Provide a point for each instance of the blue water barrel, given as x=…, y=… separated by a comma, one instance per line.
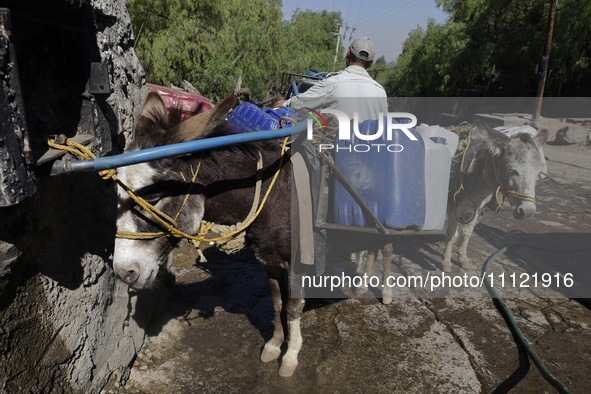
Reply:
x=248, y=117
x=388, y=174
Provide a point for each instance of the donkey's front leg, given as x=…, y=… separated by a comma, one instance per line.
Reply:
x=387, y=252
x=272, y=349
x=289, y=362
x=370, y=266
x=465, y=232
x=451, y=236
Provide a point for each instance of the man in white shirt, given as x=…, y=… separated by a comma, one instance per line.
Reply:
x=351, y=90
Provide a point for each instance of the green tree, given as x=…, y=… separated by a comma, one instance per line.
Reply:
x=381, y=61
x=456, y=57
x=429, y=64
x=379, y=70
x=214, y=43
x=570, y=55
x=312, y=40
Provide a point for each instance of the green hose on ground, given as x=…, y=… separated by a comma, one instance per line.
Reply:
x=557, y=384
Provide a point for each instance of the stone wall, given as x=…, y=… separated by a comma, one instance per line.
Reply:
x=16, y=180
x=66, y=323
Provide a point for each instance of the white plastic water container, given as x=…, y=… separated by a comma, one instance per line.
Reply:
x=511, y=131
x=440, y=146
x=451, y=139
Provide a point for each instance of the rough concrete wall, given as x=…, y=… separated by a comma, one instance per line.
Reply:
x=66, y=323
x=16, y=181
x=116, y=46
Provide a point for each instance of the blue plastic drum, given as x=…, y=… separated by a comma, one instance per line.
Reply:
x=388, y=174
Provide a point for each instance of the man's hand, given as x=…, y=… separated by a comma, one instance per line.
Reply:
x=279, y=104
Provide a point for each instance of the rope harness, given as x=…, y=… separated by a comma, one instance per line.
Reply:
x=232, y=237
x=500, y=191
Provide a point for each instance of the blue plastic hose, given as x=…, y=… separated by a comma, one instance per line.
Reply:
x=161, y=152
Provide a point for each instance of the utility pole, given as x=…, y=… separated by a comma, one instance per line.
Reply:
x=544, y=65
x=336, y=51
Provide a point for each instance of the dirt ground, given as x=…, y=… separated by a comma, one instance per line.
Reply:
x=210, y=337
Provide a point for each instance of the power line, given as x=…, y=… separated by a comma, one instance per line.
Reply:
x=380, y=11
x=349, y=11
x=387, y=15
x=350, y=27
x=359, y=11
x=390, y=50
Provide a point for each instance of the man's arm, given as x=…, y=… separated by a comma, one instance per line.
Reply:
x=279, y=104
x=315, y=97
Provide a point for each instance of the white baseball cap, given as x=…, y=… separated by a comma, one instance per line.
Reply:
x=363, y=48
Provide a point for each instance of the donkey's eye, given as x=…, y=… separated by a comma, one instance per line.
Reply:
x=152, y=198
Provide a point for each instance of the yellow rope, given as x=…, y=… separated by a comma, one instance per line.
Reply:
x=173, y=231
x=237, y=242
x=499, y=201
x=260, y=207
x=292, y=120
x=467, y=127
x=82, y=151
x=190, y=188
x=462, y=172
x=499, y=191
x=521, y=196
x=205, y=228
x=461, y=187
x=166, y=221
x=70, y=146
x=157, y=214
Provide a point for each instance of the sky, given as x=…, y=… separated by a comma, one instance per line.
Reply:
x=386, y=22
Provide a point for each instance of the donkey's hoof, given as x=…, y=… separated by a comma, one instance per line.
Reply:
x=387, y=300
x=287, y=368
x=270, y=353
x=359, y=291
x=465, y=263
x=446, y=266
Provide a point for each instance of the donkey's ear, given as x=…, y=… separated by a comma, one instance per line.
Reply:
x=200, y=125
x=495, y=139
x=222, y=108
x=154, y=109
x=541, y=138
